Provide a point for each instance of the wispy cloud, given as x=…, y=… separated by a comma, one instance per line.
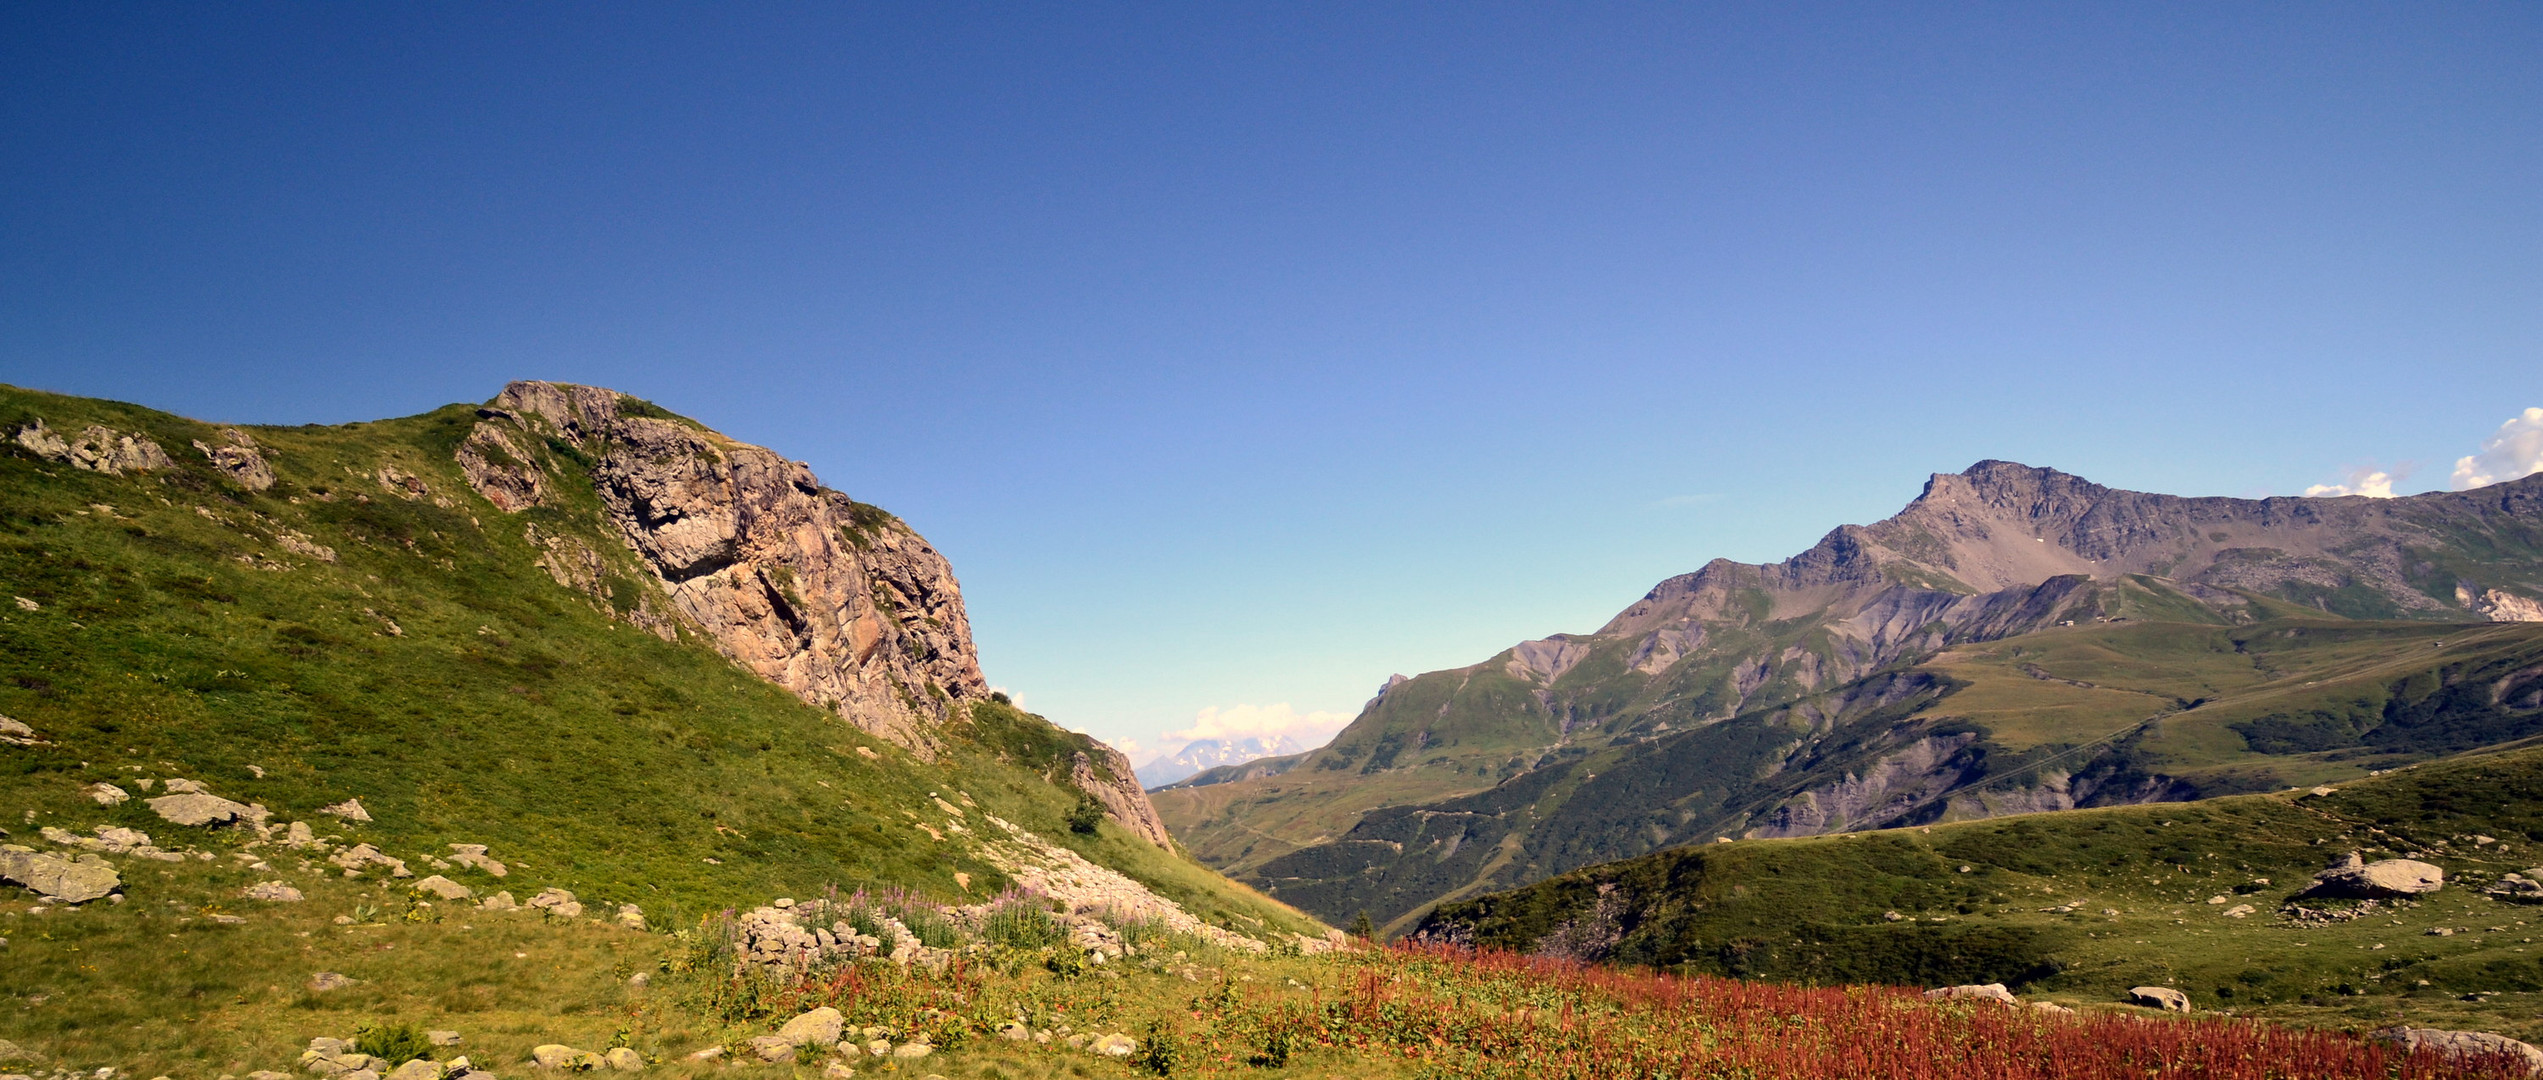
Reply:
x=2514, y=453
x=1249, y=721
x=2372, y=482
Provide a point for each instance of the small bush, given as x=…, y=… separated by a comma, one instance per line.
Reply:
x=396, y=1044
x=1086, y=815
x=1164, y=1050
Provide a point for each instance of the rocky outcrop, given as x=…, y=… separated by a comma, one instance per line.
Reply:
x=2499, y=605
x=96, y=448
x=834, y=600
x=240, y=459
x=1113, y=784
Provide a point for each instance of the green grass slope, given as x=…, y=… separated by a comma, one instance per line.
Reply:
x=2080, y=905
x=369, y=627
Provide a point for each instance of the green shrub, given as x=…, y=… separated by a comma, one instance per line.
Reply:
x=1164, y=1050
x=396, y=1044
x=1086, y=815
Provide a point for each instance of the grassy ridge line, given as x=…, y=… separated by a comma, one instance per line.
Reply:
x=432, y=669
x=2132, y=888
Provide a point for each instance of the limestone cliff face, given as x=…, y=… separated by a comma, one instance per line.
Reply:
x=829, y=598
x=1113, y=784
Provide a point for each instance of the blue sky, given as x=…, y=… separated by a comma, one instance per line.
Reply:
x=1241, y=355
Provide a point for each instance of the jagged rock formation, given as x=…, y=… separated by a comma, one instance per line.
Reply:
x=240, y=459
x=1769, y=700
x=832, y=599
x=96, y=448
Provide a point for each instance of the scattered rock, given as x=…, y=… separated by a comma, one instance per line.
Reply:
x=709, y=1054
x=1115, y=1045
x=2525, y=888
x=475, y=855
x=182, y=786
x=443, y=887
x=501, y=901
x=2466, y=1046
x=558, y=1056
x=198, y=809
x=912, y=1051
x=360, y=857
x=10, y=1051
x=631, y=916
x=2239, y=911
x=227, y=920
x=329, y=980
x=442, y=1038
x=2352, y=876
x=2159, y=997
x=1990, y=992
x=2319, y=792
x=78, y=881
x=108, y=794
x=639, y=981
x=773, y=1048
x=557, y=902
x=2052, y=1008
x=1015, y=1031
x=837, y=1070
x=822, y=1025
x=268, y=1074
x=350, y=810
x=275, y=892
x=418, y=1069
x=15, y=733
x=623, y=1059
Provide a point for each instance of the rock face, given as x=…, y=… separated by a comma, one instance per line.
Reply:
x=95, y=448
x=2352, y=876
x=78, y=881
x=829, y=598
x=2465, y=1046
x=1113, y=784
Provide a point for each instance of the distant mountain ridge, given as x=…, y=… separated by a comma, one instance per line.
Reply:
x=1201, y=755
x=1833, y=690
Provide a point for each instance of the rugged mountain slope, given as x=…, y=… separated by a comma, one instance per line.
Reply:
x=2082, y=905
x=635, y=657
x=1828, y=691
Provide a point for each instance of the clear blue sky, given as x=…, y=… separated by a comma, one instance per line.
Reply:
x=1242, y=355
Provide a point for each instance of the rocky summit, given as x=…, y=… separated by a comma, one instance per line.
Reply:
x=2016, y=639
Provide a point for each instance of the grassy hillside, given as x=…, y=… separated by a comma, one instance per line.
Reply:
x=369, y=627
x=2077, y=906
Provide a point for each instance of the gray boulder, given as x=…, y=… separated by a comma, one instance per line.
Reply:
x=418, y=1069
x=108, y=794
x=77, y=881
x=444, y=887
x=2354, y=877
x=329, y=980
x=622, y=1059
x=558, y=902
x=197, y=809
x=2467, y=1047
x=272, y=892
x=2159, y=997
x=820, y=1026
x=1990, y=992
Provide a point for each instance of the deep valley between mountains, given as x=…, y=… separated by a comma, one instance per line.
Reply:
x=562, y=733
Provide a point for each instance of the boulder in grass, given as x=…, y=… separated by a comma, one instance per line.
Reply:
x=2354, y=877
x=272, y=892
x=773, y=1048
x=2466, y=1047
x=1994, y=992
x=443, y=887
x=76, y=880
x=821, y=1026
x=2159, y=997
x=1115, y=1045
x=108, y=794
x=418, y=1069
x=198, y=809
x=350, y=810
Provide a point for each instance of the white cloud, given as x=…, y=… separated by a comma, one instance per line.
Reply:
x=2515, y=452
x=1248, y=721
x=2370, y=481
